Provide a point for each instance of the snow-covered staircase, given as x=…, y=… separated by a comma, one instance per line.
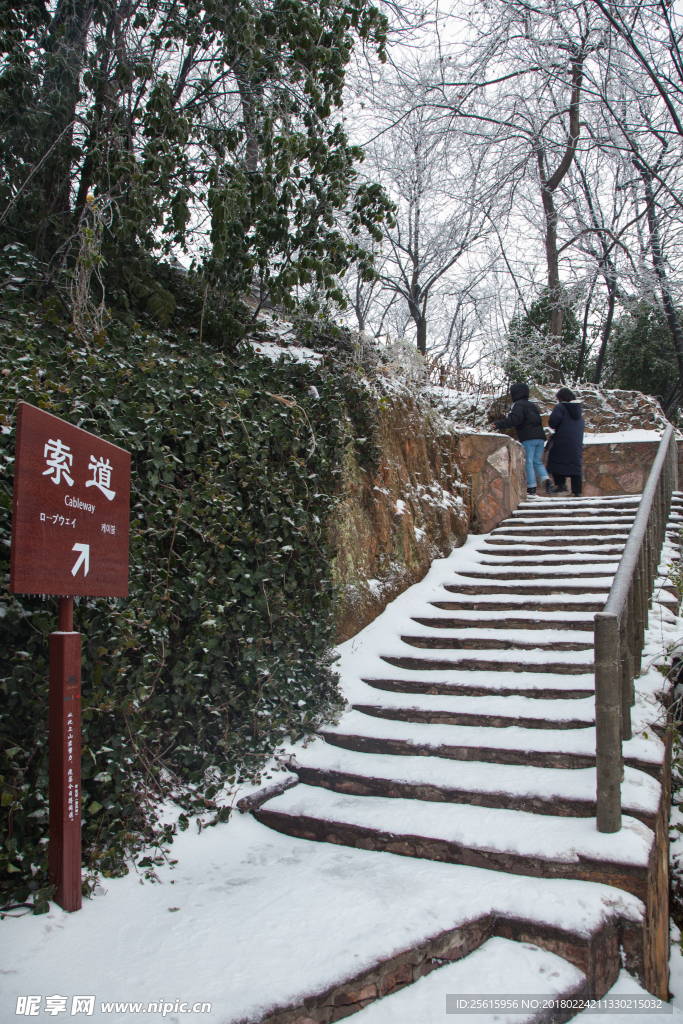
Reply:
x=470, y=734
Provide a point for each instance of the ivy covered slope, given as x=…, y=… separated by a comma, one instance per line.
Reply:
x=221, y=649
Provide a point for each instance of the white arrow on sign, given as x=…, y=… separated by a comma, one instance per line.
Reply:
x=83, y=558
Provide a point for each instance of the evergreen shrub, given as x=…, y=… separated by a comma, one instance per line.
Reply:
x=641, y=354
x=221, y=651
x=530, y=344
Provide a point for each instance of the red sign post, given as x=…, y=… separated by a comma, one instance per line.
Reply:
x=70, y=527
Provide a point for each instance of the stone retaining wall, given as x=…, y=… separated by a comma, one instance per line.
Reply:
x=431, y=488
x=621, y=467
x=495, y=467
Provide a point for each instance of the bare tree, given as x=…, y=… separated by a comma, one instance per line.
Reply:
x=442, y=199
x=563, y=111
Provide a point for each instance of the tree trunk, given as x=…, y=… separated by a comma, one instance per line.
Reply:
x=584, y=331
x=67, y=38
x=549, y=184
x=658, y=263
x=421, y=325
x=88, y=166
x=249, y=118
x=419, y=318
x=554, y=286
x=607, y=328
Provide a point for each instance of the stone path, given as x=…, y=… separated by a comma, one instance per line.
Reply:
x=470, y=738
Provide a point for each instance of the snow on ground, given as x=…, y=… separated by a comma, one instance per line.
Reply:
x=249, y=919
x=622, y=436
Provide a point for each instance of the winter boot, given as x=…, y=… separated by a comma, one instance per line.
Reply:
x=550, y=487
x=531, y=492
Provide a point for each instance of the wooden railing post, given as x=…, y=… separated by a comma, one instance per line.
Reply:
x=608, y=701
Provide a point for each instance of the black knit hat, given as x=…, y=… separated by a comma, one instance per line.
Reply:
x=565, y=395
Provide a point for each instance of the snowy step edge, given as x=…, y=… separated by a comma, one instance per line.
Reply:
x=514, y=633
x=489, y=640
x=597, y=955
x=465, y=744
x=471, y=618
x=500, y=661
x=461, y=585
x=639, y=788
x=497, y=572
x=538, y=686
x=509, y=841
x=496, y=968
x=445, y=716
x=561, y=540
x=553, y=529
x=491, y=705
x=541, y=513
x=537, y=602
x=484, y=752
x=392, y=783
x=553, y=559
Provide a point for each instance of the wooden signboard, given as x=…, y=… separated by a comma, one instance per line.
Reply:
x=70, y=527
x=71, y=512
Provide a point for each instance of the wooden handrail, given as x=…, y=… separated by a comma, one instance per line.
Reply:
x=620, y=631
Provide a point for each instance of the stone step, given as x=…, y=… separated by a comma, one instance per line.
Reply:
x=483, y=664
x=538, y=550
x=552, y=573
x=436, y=716
x=539, y=687
x=543, y=513
x=540, y=515
x=497, y=710
x=571, y=601
x=570, y=504
x=528, y=539
x=581, y=922
x=521, y=588
x=565, y=516
x=471, y=642
x=555, y=791
x=516, y=842
x=535, y=553
x=553, y=529
x=573, y=526
x=487, y=753
x=503, y=559
x=586, y=622
x=499, y=966
x=543, y=748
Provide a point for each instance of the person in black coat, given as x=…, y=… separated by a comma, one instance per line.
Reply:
x=525, y=417
x=565, y=456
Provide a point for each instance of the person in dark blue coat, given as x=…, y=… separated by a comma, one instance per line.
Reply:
x=525, y=417
x=565, y=456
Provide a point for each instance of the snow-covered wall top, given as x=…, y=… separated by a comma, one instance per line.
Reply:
x=606, y=411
